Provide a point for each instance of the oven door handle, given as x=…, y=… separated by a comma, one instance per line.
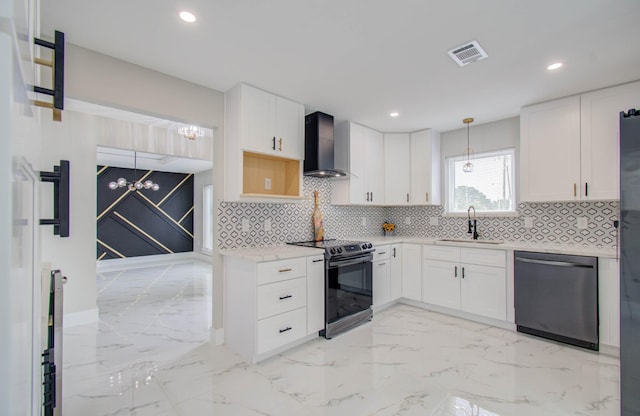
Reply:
x=349, y=262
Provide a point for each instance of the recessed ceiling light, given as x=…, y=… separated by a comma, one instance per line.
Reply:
x=554, y=66
x=394, y=114
x=187, y=17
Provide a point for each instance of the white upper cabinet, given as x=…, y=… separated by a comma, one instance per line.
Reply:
x=425, y=168
x=569, y=147
x=397, y=177
x=360, y=151
x=412, y=168
x=550, y=151
x=600, y=123
x=289, y=128
x=268, y=123
x=264, y=146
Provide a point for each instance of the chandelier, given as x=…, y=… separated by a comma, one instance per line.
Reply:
x=135, y=185
x=191, y=132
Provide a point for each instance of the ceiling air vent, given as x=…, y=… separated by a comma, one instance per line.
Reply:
x=467, y=53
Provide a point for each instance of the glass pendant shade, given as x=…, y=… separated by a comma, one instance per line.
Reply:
x=136, y=184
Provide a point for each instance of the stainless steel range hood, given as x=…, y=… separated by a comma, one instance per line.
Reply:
x=318, y=149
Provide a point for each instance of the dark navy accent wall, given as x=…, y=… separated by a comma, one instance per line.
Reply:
x=144, y=222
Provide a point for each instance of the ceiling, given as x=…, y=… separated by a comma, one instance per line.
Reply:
x=362, y=59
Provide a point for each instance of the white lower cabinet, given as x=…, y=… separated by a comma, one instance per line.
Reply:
x=271, y=305
x=467, y=279
x=315, y=294
x=609, y=301
x=395, y=273
x=381, y=276
x=483, y=291
x=411, y=271
x=440, y=284
x=276, y=331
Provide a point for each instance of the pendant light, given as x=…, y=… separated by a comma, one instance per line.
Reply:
x=468, y=152
x=135, y=185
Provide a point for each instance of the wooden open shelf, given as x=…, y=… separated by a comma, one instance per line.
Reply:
x=284, y=175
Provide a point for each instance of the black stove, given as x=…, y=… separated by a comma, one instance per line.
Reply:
x=348, y=285
x=338, y=248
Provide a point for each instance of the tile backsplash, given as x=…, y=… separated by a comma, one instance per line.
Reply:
x=552, y=222
x=292, y=221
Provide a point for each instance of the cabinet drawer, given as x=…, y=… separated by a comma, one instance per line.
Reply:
x=275, y=271
x=279, y=297
x=381, y=253
x=279, y=330
x=484, y=257
x=443, y=253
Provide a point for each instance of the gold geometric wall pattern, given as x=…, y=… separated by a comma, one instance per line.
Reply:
x=143, y=222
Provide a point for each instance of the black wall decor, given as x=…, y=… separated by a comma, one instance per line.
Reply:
x=144, y=222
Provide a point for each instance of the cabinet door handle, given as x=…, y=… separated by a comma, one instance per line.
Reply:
x=285, y=329
x=586, y=189
x=284, y=270
x=381, y=264
x=426, y=196
x=575, y=190
x=368, y=196
x=394, y=252
x=382, y=252
x=455, y=271
x=280, y=144
x=274, y=143
x=371, y=196
x=407, y=198
x=463, y=272
x=285, y=297
x=318, y=260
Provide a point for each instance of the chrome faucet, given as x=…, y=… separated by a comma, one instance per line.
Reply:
x=473, y=226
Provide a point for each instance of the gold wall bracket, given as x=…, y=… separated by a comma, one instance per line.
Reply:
x=57, y=75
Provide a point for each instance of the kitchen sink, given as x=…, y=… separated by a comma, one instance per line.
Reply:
x=454, y=240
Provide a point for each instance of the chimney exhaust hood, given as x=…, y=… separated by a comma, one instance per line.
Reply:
x=318, y=149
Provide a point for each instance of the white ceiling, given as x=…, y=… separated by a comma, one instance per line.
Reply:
x=362, y=59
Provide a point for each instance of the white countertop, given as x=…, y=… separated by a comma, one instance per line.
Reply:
x=572, y=249
x=281, y=252
x=271, y=253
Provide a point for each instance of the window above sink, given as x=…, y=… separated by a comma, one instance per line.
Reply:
x=490, y=187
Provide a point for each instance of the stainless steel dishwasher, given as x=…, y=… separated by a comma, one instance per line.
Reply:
x=556, y=297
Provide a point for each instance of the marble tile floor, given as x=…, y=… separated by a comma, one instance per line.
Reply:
x=152, y=357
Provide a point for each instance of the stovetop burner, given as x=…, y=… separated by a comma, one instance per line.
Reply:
x=341, y=248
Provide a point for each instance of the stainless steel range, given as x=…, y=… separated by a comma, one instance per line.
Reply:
x=348, y=283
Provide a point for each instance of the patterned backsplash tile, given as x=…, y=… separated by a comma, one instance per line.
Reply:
x=552, y=222
x=292, y=221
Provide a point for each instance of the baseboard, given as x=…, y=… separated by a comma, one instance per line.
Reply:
x=217, y=336
x=86, y=317
x=146, y=261
x=460, y=314
x=610, y=350
x=202, y=256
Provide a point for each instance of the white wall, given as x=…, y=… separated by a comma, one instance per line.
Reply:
x=73, y=139
x=501, y=134
x=101, y=79
x=200, y=180
x=96, y=78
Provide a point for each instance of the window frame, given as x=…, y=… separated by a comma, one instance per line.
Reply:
x=449, y=171
x=207, y=218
